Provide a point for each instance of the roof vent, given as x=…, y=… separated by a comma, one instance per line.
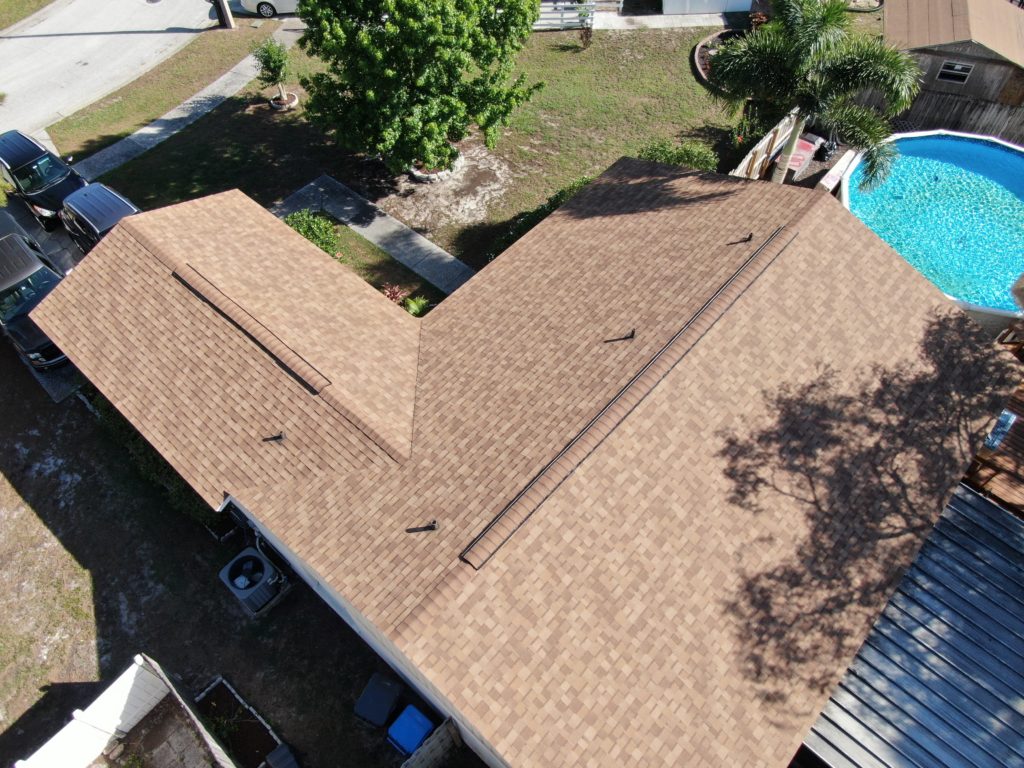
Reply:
x=628, y=337
x=274, y=438
x=431, y=526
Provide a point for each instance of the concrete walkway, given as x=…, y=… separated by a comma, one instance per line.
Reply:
x=69, y=54
x=186, y=113
x=434, y=265
x=612, y=20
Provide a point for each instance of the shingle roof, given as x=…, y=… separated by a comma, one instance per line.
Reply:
x=619, y=609
x=996, y=24
x=211, y=326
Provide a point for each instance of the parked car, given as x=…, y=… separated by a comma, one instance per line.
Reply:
x=40, y=178
x=92, y=211
x=26, y=276
x=269, y=10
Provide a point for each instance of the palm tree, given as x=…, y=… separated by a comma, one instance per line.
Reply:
x=805, y=58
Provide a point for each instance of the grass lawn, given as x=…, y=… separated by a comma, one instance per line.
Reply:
x=867, y=23
x=12, y=11
x=377, y=268
x=597, y=105
x=207, y=57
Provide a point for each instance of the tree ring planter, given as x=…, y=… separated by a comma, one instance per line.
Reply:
x=432, y=177
x=705, y=51
x=291, y=100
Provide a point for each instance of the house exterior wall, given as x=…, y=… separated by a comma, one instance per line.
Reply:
x=379, y=643
x=992, y=78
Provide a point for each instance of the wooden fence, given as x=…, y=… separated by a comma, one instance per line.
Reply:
x=755, y=164
x=565, y=15
x=932, y=111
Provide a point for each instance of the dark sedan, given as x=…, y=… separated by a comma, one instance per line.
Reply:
x=41, y=179
x=26, y=277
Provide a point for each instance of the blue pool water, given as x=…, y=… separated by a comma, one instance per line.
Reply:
x=954, y=208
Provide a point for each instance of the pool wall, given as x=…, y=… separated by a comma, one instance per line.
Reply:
x=990, y=319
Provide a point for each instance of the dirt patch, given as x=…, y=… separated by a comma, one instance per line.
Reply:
x=462, y=198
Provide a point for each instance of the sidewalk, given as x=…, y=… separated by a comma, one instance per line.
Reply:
x=186, y=113
x=403, y=244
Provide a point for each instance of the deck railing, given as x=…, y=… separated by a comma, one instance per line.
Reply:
x=756, y=162
x=565, y=15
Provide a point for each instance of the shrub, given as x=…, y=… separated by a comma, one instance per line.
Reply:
x=522, y=223
x=271, y=64
x=417, y=306
x=151, y=465
x=395, y=293
x=318, y=228
x=751, y=128
x=692, y=154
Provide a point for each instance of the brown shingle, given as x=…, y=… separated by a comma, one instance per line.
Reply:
x=631, y=607
x=995, y=24
x=168, y=316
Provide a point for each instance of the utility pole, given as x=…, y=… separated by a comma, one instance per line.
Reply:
x=224, y=13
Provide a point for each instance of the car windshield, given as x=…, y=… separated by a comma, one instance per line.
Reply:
x=40, y=174
x=23, y=297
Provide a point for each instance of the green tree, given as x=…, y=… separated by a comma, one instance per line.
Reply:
x=806, y=58
x=272, y=65
x=407, y=78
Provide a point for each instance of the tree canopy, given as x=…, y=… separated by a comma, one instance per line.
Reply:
x=407, y=78
x=806, y=58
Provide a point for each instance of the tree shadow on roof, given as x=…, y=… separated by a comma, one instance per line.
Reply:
x=871, y=463
x=636, y=186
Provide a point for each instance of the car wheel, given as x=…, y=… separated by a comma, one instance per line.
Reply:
x=266, y=10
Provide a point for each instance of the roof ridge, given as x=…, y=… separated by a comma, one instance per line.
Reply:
x=244, y=320
x=512, y=517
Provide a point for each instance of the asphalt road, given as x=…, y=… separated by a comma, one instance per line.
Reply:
x=73, y=52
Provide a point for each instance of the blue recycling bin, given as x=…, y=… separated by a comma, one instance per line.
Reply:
x=410, y=730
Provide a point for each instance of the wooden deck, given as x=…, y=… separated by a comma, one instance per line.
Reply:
x=999, y=473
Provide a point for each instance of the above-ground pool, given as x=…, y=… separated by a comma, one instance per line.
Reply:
x=953, y=206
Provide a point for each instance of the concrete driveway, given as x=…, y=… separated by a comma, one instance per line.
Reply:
x=73, y=52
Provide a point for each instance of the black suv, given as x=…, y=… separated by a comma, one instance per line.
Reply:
x=26, y=277
x=92, y=211
x=41, y=179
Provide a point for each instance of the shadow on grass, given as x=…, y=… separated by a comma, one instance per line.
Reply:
x=244, y=144
x=153, y=581
x=720, y=139
x=870, y=462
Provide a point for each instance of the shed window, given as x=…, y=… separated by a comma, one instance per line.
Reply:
x=954, y=72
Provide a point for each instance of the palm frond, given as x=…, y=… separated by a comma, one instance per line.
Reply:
x=758, y=66
x=862, y=63
x=824, y=25
x=863, y=129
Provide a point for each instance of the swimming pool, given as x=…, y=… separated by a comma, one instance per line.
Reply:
x=953, y=206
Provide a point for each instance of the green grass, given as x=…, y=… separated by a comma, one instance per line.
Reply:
x=598, y=104
x=207, y=57
x=12, y=11
x=867, y=23
x=377, y=268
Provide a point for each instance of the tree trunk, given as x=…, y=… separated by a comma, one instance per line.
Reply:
x=280, y=90
x=782, y=166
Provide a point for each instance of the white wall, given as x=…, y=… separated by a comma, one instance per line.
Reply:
x=381, y=644
x=116, y=711
x=671, y=7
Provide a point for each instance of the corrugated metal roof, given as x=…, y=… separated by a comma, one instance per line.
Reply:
x=940, y=679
